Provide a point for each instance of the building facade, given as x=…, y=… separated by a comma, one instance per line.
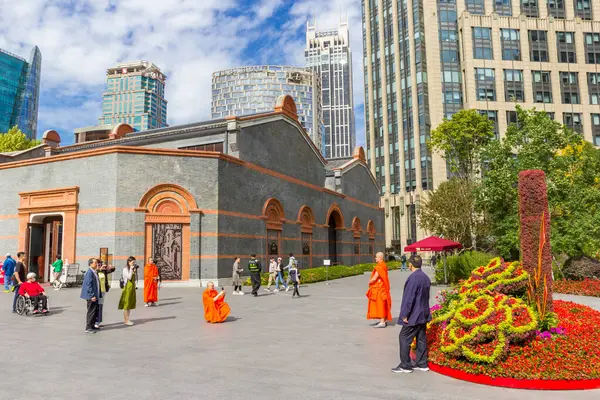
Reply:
x=255, y=89
x=135, y=95
x=20, y=91
x=328, y=53
x=194, y=197
x=427, y=59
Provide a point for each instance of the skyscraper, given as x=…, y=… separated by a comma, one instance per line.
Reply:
x=328, y=53
x=427, y=59
x=20, y=91
x=135, y=94
x=255, y=89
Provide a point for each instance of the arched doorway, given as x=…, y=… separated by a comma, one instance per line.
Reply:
x=356, y=232
x=372, y=232
x=274, y=216
x=335, y=222
x=306, y=220
x=168, y=209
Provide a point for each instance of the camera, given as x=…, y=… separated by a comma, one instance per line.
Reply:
x=135, y=266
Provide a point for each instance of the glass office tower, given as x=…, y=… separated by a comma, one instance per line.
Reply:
x=135, y=95
x=20, y=91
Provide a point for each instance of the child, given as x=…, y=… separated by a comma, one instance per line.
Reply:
x=295, y=277
x=57, y=268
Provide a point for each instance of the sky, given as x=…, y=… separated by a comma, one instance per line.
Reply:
x=187, y=39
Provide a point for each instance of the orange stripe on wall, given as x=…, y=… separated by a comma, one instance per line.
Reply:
x=95, y=234
x=232, y=214
x=139, y=258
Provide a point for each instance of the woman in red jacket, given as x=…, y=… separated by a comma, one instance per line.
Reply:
x=35, y=292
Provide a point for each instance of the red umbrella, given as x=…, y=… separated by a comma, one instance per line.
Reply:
x=432, y=243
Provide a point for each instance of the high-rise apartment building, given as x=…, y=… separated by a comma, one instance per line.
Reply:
x=427, y=59
x=255, y=89
x=135, y=95
x=328, y=53
x=20, y=91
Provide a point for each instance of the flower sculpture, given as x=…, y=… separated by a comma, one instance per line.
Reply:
x=481, y=322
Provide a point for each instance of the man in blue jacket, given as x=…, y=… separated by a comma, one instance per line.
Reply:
x=414, y=315
x=90, y=291
x=9, y=268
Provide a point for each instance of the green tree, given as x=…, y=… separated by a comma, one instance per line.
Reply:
x=572, y=169
x=450, y=211
x=460, y=141
x=15, y=140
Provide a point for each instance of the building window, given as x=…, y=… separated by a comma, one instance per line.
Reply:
x=542, y=86
x=205, y=147
x=511, y=44
x=492, y=116
x=569, y=87
x=511, y=118
x=596, y=128
x=583, y=9
x=513, y=85
x=475, y=6
x=593, y=79
x=485, y=80
x=573, y=121
x=538, y=46
x=482, y=43
x=530, y=8
x=592, y=48
x=565, y=46
x=503, y=7
x=556, y=8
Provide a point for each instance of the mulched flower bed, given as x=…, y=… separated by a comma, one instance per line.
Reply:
x=588, y=287
x=570, y=352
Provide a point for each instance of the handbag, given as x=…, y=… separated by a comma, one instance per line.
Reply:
x=121, y=281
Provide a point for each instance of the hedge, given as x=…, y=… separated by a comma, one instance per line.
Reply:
x=319, y=274
x=459, y=267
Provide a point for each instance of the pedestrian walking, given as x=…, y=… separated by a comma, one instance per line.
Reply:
x=102, y=271
x=294, y=275
x=8, y=267
x=237, y=277
x=279, y=271
x=57, y=267
x=18, y=277
x=272, y=273
x=90, y=292
x=403, y=261
x=255, y=267
x=414, y=316
x=291, y=261
x=128, y=295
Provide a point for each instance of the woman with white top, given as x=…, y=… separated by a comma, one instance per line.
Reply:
x=128, y=295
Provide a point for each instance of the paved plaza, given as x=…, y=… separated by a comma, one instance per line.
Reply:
x=272, y=347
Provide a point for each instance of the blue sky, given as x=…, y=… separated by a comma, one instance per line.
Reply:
x=187, y=39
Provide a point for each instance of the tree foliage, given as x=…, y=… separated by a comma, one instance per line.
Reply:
x=15, y=140
x=449, y=211
x=572, y=168
x=460, y=141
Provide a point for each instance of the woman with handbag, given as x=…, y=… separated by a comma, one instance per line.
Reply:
x=128, y=295
x=103, y=271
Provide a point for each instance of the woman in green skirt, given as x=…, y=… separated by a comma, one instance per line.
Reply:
x=127, y=302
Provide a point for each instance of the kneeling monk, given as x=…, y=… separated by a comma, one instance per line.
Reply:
x=380, y=299
x=215, y=308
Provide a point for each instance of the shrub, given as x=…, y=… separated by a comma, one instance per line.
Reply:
x=586, y=287
x=580, y=268
x=460, y=266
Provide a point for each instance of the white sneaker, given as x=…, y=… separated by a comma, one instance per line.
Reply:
x=128, y=323
x=241, y=293
x=235, y=293
x=56, y=288
x=146, y=305
x=287, y=289
x=267, y=290
x=276, y=290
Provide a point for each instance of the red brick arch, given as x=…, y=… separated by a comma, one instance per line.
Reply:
x=371, y=229
x=336, y=212
x=306, y=219
x=151, y=200
x=273, y=214
x=356, y=228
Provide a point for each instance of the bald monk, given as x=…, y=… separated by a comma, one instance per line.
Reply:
x=151, y=278
x=380, y=299
x=215, y=308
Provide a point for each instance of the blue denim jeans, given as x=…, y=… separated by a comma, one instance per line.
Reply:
x=7, y=282
x=279, y=279
x=15, y=298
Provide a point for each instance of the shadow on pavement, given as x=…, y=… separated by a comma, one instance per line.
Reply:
x=171, y=298
x=141, y=321
x=232, y=319
x=167, y=304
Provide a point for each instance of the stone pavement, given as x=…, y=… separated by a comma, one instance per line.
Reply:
x=316, y=347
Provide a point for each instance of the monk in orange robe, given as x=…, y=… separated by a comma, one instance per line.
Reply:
x=151, y=279
x=380, y=299
x=215, y=308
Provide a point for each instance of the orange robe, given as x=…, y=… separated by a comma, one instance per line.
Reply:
x=214, y=311
x=150, y=285
x=380, y=299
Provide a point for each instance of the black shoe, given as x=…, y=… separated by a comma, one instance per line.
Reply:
x=400, y=370
x=90, y=331
x=255, y=294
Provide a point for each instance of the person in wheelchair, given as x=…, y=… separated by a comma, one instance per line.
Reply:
x=35, y=292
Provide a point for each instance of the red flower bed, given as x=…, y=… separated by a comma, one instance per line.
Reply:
x=574, y=355
x=588, y=287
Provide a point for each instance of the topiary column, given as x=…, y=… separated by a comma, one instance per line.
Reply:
x=536, y=254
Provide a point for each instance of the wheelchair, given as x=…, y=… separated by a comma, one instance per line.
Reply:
x=26, y=307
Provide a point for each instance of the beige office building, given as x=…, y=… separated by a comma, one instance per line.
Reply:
x=427, y=59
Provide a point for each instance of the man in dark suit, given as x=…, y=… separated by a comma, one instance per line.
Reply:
x=90, y=291
x=414, y=315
